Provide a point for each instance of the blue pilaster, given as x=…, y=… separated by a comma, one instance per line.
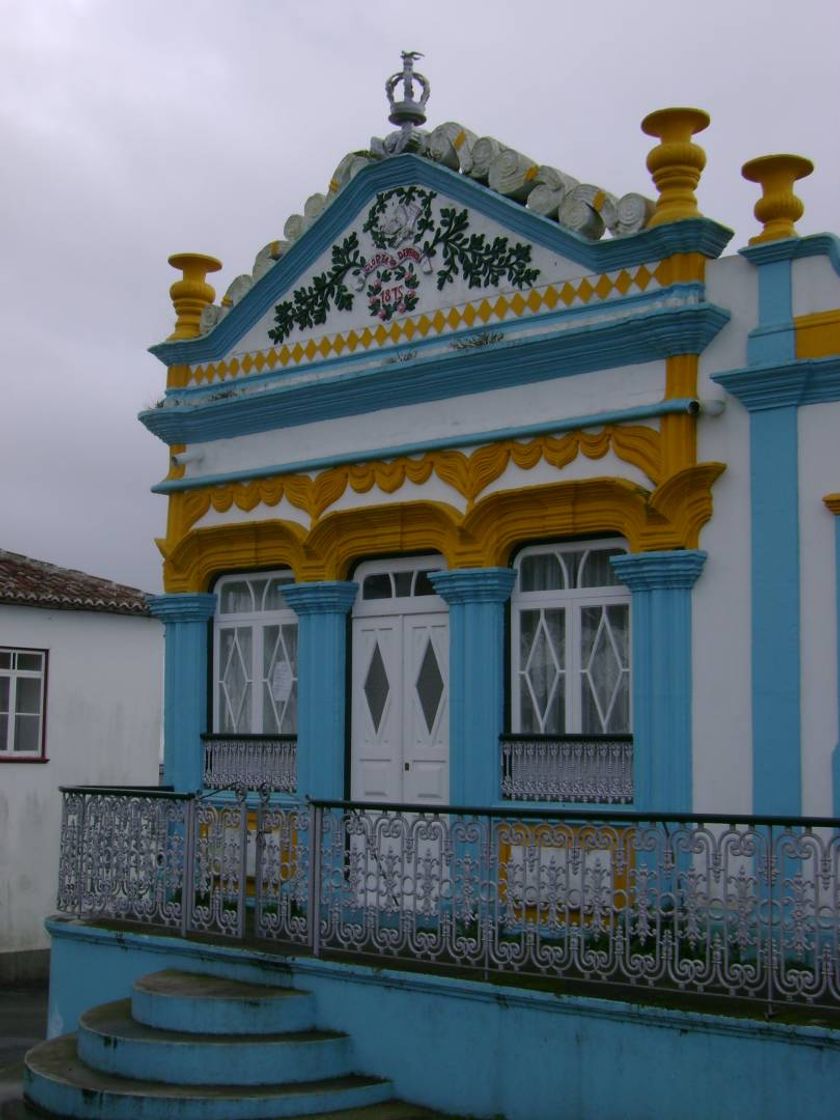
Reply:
x=322, y=703
x=476, y=599
x=772, y=387
x=661, y=584
x=185, y=619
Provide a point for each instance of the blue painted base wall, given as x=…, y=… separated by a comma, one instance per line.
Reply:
x=474, y=1048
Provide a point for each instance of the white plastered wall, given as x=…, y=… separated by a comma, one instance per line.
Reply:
x=816, y=286
x=819, y=474
x=104, y=681
x=560, y=398
x=721, y=623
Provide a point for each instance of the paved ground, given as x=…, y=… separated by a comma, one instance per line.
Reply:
x=23, y=1022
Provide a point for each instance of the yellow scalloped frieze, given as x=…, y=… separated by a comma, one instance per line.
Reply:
x=468, y=474
x=670, y=517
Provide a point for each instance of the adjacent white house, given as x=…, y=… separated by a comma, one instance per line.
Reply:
x=80, y=703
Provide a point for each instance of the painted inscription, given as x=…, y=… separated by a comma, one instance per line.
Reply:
x=408, y=242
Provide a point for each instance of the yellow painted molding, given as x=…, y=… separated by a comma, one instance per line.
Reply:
x=778, y=208
x=467, y=473
x=177, y=377
x=817, y=335
x=679, y=430
x=676, y=163
x=680, y=507
x=832, y=501
x=670, y=517
x=206, y=553
x=682, y=268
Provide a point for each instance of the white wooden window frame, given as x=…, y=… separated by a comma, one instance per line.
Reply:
x=12, y=672
x=571, y=601
x=255, y=621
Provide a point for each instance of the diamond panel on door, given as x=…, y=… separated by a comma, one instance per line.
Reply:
x=429, y=686
x=376, y=687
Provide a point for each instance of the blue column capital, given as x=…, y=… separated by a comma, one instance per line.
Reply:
x=182, y=608
x=655, y=571
x=333, y=597
x=474, y=585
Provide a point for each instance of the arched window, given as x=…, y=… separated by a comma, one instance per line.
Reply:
x=254, y=656
x=570, y=642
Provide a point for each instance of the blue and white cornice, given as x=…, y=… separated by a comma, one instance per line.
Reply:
x=784, y=384
x=795, y=248
x=679, y=323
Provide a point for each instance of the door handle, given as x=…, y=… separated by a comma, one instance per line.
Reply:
x=406, y=765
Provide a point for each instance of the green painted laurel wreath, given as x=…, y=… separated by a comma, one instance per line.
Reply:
x=401, y=225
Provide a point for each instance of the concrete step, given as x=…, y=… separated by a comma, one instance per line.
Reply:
x=111, y=1041
x=199, y=1004
x=56, y=1080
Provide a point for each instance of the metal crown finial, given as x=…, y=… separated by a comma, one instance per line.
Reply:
x=408, y=113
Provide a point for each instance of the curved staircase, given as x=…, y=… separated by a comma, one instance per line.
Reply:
x=195, y=1047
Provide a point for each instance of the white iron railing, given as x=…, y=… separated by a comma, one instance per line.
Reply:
x=578, y=769
x=736, y=907
x=251, y=762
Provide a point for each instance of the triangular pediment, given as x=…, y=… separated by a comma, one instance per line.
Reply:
x=407, y=252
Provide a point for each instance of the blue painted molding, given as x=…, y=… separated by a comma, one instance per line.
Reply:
x=641, y=338
x=322, y=702
x=661, y=584
x=795, y=248
x=186, y=659
x=476, y=599
x=182, y=608
x=700, y=235
x=321, y=598
x=681, y=405
x=784, y=384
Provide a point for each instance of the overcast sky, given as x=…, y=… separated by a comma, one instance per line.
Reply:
x=132, y=129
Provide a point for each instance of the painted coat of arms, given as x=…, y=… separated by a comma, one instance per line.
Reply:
x=408, y=243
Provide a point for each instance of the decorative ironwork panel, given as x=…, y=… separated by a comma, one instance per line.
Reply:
x=251, y=763
x=282, y=873
x=572, y=769
x=707, y=908
x=219, y=868
x=122, y=856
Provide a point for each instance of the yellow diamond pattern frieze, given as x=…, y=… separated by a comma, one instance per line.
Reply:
x=582, y=290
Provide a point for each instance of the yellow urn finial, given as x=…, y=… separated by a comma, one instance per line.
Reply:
x=191, y=294
x=675, y=163
x=778, y=208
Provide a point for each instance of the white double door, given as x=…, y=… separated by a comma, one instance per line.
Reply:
x=400, y=696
